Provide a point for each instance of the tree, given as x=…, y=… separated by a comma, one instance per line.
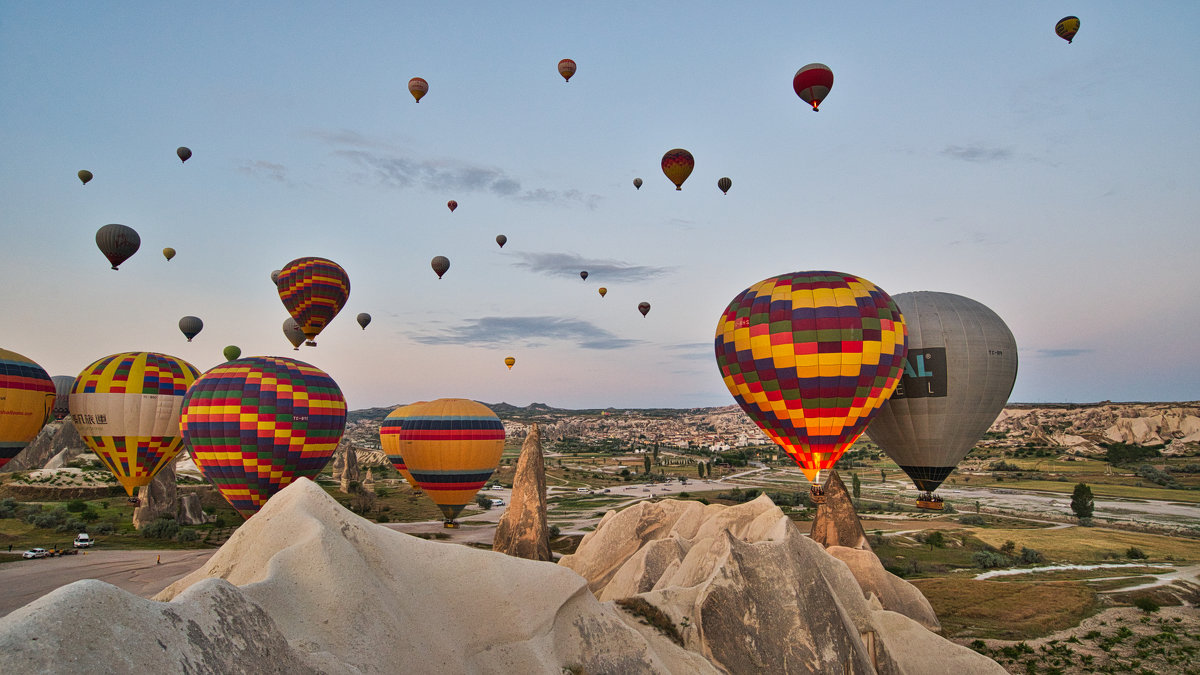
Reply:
x=935, y=539
x=882, y=476
x=646, y=463
x=1082, y=503
x=700, y=469
x=855, y=485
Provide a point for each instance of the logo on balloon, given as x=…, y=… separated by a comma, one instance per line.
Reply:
x=924, y=374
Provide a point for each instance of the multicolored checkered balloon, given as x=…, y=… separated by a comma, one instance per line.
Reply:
x=313, y=290
x=810, y=357
x=254, y=425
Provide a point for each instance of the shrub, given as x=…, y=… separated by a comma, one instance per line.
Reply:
x=972, y=519
x=163, y=528
x=483, y=502
x=1031, y=556
x=555, y=531
x=1008, y=547
x=1146, y=604
x=651, y=616
x=189, y=535
x=1135, y=553
x=990, y=560
x=76, y=506
x=106, y=527
x=8, y=508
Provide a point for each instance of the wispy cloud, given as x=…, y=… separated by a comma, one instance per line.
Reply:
x=1061, y=353
x=977, y=238
x=699, y=351
x=977, y=152
x=527, y=331
x=268, y=170
x=571, y=264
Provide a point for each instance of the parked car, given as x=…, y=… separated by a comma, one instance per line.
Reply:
x=82, y=540
x=583, y=490
x=35, y=553
x=497, y=502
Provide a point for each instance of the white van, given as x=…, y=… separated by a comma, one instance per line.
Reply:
x=82, y=540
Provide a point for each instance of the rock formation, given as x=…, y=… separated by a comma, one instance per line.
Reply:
x=56, y=439
x=350, y=472
x=190, y=511
x=893, y=593
x=836, y=522
x=157, y=499
x=745, y=588
x=338, y=466
x=369, y=481
x=523, y=530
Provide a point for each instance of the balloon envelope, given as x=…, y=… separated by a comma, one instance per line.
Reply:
x=288, y=421
x=84, y=176
x=677, y=165
x=644, y=308
x=418, y=87
x=637, y=183
x=961, y=367
x=452, y=446
x=117, y=243
x=501, y=240
x=363, y=320
x=291, y=330
x=168, y=253
x=812, y=83
x=510, y=362
x=26, y=401
x=313, y=290
x=810, y=357
x=583, y=275
x=126, y=408
x=232, y=352
x=1067, y=27
x=452, y=205
x=389, y=439
x=440, y=264
x=190, y=326
x=566, y=68
x=184, y=153
x=62, y=395
x=724, y=184
x=275, y=277
x=603, y=291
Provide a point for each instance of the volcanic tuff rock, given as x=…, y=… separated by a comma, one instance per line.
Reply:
x=158, y=498
x=349, y=473
x=56, y=439
x=1082, y=428
x=523, y=531
x=893, y=593
x=836, y=522
x=747, y=590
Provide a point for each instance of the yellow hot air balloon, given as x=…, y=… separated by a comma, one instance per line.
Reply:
x=389, y=438
x=418, y=87
x=26, y=402
x=510, y=362
x=603, y=291
x=677, y=165
x=1067, y=27
x=168, y=253
x=452, y=446
x=126, y=408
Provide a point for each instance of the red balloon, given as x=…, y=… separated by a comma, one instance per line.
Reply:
x=812, y=83
x=452, y=205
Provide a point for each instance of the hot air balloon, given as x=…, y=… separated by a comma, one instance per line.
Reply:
x=724, y=184
x=452, y=446
x=126, y=408
x=418, y=88
x=583, y=275
x=26, y=402
x=84, y=176
x=961, y=366
x=440, y=264
x=1067, y=27
x=510, y=362
x=452, y=205
x=389, y=439
x=603, y=291
x=644, y=308
x=363, y=320
x=232, y=353
x=117, y=243
x=291, y=330
x=637, y=183
x=810, y=357
x=812, y=83
x=190, y=326
x=313, y=290
x=501, y=240
x=62, y=395
x=168, y=253
x=288, y=421
x=677, y=165
x=275, y=277
x=566, y=68
x=184, y=153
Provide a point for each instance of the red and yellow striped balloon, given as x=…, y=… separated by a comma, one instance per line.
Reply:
x=677, y=165
x=313, y=290
x=810, y=357
x=389, y=438
x=26, y=402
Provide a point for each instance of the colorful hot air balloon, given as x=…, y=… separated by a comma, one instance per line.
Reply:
x=810, y=357
x=961, y=366
x=26, y=401
x=287, y=419
x=418, y=88
x=637, y=183
x=184, y=153
x=440, y=264
x=452, y=205
x=812, y=83
x=724, y=184
x=275, y=277
x=644, y=308
x=62, y=396
x=84, y=176
x=677, y=165
x=583, y=275
x=501, y=240
x=566, y=68
x=510, y=362
x=232, y=353
x=452, y=446
x=126, y=408
x=168, y=253
x=1067, y=27
x=190, y=326
x=389, y=439
x=291, y=330
x=603, y=291
x=363, y=320
x=117, y=243
x=313, y=290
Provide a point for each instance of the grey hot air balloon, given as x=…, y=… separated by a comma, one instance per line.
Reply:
x=62, y=395
x=292, y=332
x=962, y=363
x=275, y=276
x=190, y=326
x=724, y=184
x=117, y=242
x=501, y=240
x=637, y=183
x=364, y=319
x=440, y=264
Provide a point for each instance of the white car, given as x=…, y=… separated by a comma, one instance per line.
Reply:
x=82, y=540
x=582, y=490
x=497, y=502
x=35, y=553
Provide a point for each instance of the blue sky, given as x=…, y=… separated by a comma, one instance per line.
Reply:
x=966, y=151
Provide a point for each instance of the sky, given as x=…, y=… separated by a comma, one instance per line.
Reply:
x=965, y=151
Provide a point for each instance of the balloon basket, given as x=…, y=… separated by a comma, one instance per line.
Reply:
x=816, y=494
x=134, y=501
x=450, y=524
x=930, y=502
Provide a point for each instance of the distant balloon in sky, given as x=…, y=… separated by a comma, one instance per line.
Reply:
x=168, y=253
x=501, y=240
x=313, y=291
x=184, y=153
x=84, y=176
x=440, y=264
x=452, y=205
x=812, y=83
x=190, y=326
x=677, y=165
x=117, y=243
x=1067, y=27
x=62, y=399
x=644, y=308
x=26, y=402
x=364, y=319
x=275, y=277
x=510, y=362
x=583, y=275
x=291, y=330
x=418, y=88
x=566, y=68
x=637, y=183
x=232, y=352
x=603, y=291
x=724, y=184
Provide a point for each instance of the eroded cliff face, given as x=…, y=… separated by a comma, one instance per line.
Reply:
x=1081, y=429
